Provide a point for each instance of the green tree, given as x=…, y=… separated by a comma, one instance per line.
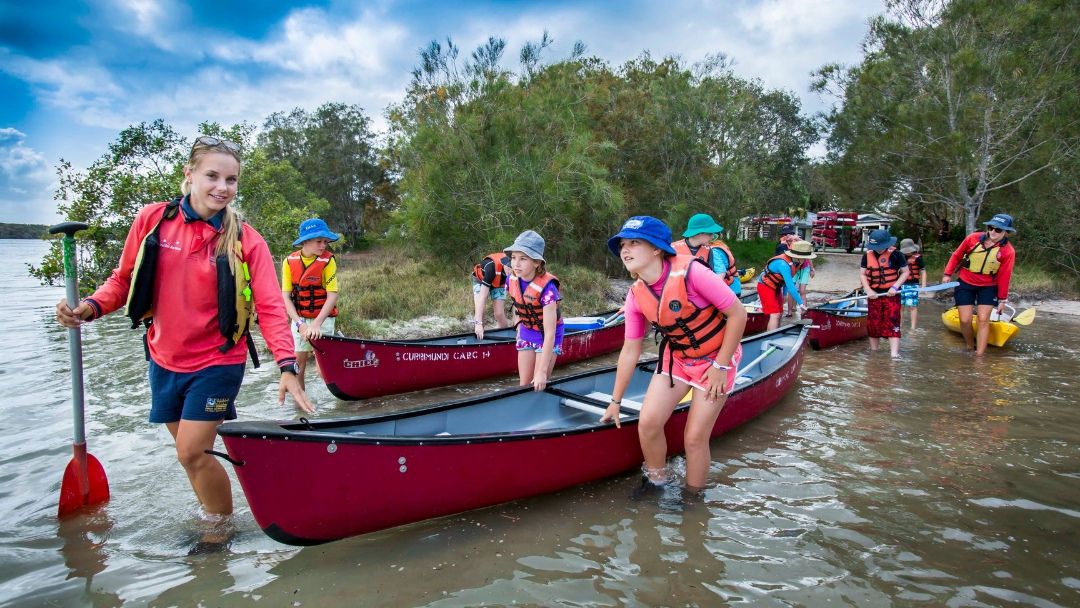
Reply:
x=954, y=102
x=333, y=150
x=141, y=166
x=572, y=148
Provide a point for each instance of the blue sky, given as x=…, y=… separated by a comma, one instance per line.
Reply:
x=73, y=74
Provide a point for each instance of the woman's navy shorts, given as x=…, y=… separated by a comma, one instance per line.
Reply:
x=971, y=295
x=208, y=394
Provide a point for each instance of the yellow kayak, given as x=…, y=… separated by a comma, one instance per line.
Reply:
x=747, y=274
x=1000, y=331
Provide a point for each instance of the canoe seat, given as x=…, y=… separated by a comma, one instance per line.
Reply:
x=581, y=405
x=627, y=404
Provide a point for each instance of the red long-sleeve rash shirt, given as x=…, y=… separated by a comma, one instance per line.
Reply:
x=185, y=336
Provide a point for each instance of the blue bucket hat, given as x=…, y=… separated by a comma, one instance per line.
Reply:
x=646, y=228
x=1002, y=221
x=314, y=229
x=880, y=240
x=702, y=223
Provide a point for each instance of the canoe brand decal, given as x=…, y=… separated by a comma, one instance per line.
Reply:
x=469, y=355
x=369, y=360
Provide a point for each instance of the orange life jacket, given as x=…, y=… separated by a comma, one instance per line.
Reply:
x=880, y=273
x=775, y=280
x=689, y=331
x=527, y=305
x=914, y=263
x=308, y=293
x=732, y=273
x=501, y=262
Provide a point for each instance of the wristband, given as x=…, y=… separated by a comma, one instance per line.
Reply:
x=290, y=368
x=723, y=367
x=475, y=322
x=616, y=402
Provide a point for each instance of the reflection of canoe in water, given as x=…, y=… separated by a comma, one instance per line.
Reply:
x=315, y=481
x=1000, y=331
x=356, y=368
x=837, y=323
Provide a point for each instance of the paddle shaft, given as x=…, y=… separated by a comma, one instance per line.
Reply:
x=71, y=280
x=927, y=289
x=772, y=349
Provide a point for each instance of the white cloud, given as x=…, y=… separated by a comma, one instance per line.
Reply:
x=310, y=42
x=26, y=181
x=80, y=87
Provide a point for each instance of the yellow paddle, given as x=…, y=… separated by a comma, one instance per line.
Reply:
x=1024, y=318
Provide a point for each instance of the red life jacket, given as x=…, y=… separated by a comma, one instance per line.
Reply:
x=775, y=280
x=880, y=273
x=527, y=305
x=732, y=273
x=501, y=262
x=689, y=331
x=308, y=294
x=914, y=263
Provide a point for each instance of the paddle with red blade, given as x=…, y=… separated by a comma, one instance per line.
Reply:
x=84, y=480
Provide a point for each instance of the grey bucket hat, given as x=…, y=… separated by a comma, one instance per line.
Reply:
x=530, y=243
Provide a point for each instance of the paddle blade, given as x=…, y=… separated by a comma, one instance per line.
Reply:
x=1025, y=317
x=73, y=494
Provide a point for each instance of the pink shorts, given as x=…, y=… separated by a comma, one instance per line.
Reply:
x=692, y=371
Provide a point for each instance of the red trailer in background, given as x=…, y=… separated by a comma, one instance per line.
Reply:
x=835, y=229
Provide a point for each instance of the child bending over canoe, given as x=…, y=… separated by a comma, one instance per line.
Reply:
x=701, y=321
x=309, y=287
x=489, y=279
x=535, y=293
x=702, y=239
x=778, y=278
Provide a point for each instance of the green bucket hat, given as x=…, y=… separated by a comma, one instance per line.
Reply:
x=702, y=223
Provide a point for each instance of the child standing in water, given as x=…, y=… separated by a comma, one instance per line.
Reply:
x=535, y=292
x=909, y=291
x=702, y=322
x=883, y=270
x=310, y=288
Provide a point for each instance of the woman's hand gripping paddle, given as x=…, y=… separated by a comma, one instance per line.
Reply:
x=84, y=480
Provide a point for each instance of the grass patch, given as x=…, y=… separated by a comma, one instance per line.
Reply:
x=390, y=286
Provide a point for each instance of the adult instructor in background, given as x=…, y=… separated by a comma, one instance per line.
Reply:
x=985, y=261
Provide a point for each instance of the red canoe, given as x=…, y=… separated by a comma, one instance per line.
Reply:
x=313, y=482
x=756, y=321
x=838, y=323
x=354, y=368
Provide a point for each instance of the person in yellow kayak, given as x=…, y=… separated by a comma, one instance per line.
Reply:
x=985, y=262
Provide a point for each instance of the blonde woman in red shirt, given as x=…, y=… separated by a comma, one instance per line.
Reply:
x=176, y=255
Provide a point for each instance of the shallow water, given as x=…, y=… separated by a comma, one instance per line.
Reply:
x=939, y=479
